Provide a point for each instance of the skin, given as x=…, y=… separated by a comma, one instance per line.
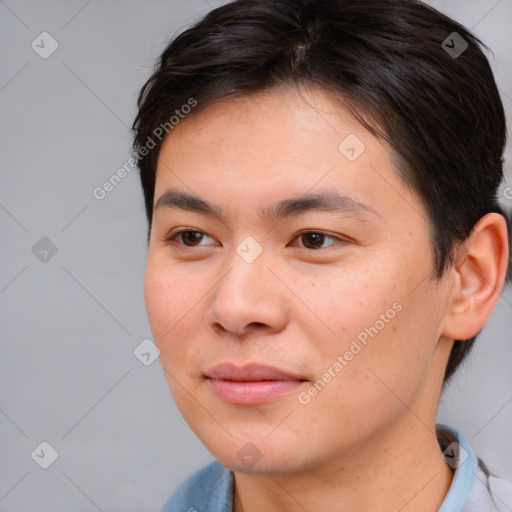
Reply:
x=367, y=440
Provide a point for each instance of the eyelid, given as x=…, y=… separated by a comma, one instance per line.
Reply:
x=340, y=240
x=172, y=236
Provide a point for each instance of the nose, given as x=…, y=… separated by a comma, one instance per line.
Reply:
x=249, y=299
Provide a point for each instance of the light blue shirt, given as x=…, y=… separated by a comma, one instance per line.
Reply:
x=472, y=489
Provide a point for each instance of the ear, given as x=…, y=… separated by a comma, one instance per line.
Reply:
x=479, y=275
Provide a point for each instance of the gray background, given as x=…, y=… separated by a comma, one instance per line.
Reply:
x=68, y=374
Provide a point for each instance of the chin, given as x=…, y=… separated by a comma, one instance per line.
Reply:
x=256, y=457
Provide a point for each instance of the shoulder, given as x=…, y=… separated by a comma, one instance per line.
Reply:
x=209, y=489
x=474, y=488
x=499, y=489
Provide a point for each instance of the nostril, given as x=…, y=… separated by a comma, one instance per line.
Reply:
x=257, y=324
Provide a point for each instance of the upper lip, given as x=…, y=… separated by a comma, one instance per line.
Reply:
x=250, y=372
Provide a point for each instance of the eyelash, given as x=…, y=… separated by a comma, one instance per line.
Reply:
x=173, y=237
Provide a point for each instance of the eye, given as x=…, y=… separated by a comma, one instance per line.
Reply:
x=317, y=239
x=308, y=239
x=187, y=238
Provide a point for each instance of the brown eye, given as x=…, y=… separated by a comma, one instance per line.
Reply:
x=190, y=237
x=316, y=240
x=312, y=240
x=187, y=238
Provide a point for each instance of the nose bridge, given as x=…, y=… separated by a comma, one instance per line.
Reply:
x=248, y=293
x=247, y=279
x=247, y=265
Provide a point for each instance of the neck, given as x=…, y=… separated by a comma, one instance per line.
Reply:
x=400, y=469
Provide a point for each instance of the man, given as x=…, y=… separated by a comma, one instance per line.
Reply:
x=325, y=244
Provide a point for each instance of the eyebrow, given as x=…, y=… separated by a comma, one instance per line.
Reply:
x=328, y=200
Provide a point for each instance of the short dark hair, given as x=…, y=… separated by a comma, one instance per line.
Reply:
x=390, y=63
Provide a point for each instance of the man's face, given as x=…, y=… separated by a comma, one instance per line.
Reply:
x=333, y=293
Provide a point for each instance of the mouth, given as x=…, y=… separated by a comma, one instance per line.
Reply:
x=251, y=384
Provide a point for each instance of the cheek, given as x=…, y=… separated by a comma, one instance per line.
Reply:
x=345, y=304
x=173, y=309
x=171, y=292
x=173, y=305
x=160, y=300
x=379, y=321
x=386, y=369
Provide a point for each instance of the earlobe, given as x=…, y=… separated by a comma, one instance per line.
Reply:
x=479, y=275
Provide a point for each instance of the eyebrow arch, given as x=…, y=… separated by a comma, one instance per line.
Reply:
x=328, y=200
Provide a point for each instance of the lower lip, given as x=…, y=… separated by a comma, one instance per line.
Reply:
x=252, y=392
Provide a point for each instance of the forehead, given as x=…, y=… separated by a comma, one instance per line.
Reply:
x=285, y=120
x=280, y=143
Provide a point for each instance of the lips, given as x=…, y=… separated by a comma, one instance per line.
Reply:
x=251, y=384
x=229, y=371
